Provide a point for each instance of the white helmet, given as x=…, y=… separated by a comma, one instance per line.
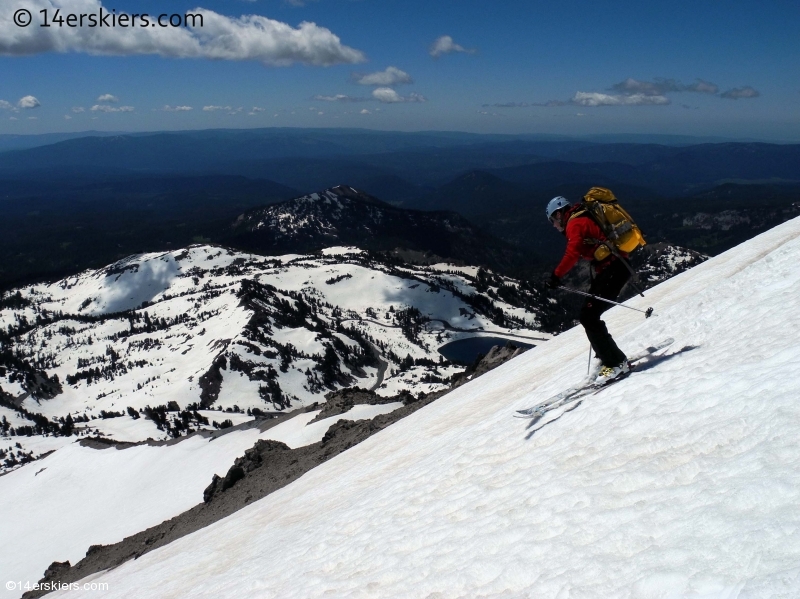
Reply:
x=556, y=204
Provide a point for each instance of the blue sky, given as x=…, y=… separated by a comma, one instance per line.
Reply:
x=569, y=67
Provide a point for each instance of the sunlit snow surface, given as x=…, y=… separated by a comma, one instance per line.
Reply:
x=198, y=314
x=57, y=507
x=681, y=481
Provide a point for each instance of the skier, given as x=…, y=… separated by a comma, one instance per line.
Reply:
x=583, y=237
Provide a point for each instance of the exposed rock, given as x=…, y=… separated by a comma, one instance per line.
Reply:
x=341, y=401
x=56, y=569
x=253, y=458
x=211, y=382
x=263, y=469
x=494, y=358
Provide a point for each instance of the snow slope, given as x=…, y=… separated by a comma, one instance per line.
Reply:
x=79, y=496
x=57, y=507
x=681, y=481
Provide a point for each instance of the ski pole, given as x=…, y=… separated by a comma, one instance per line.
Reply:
x=647, y=313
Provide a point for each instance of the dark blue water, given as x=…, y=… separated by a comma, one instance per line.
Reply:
x=465, y=351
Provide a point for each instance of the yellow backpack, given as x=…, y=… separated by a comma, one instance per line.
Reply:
x=617, y=225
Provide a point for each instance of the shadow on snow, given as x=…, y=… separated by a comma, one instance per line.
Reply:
x=648, y=364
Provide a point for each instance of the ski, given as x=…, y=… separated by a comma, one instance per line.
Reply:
x=587, y=390
x=564, y=395
x=587, y=386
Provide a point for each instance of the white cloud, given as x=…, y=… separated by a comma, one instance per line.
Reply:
x=108, y=98
x=25, y=103
x=599, y=99
x=33, y=118
x=78, y=109
x=28, y=102
x=446, y=45
x=107, y=108
x=364, y=111
x=633, y=92
x=338, y=98
x=508, y=105
x=67, y=117
x=703, y=87
x=390, y=77
x=249, y=37
x=661, y=86
x=13, y=118
x=549, y=104
x=169, y=108
x=388, y=96
x=740, y=92
x=229, y=109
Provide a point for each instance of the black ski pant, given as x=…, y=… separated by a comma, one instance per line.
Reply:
x=607, y=284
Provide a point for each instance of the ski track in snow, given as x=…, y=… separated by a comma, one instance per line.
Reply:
x=683, y=481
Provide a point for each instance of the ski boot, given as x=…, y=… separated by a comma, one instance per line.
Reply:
x=611, y=373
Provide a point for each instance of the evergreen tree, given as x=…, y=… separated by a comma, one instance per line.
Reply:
x=68, y=427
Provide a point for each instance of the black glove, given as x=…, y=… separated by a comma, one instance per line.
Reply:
x=553, y=282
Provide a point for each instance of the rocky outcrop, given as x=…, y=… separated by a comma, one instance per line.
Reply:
x=263, y=469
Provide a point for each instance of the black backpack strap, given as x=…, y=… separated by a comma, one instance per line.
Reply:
x=615, y=252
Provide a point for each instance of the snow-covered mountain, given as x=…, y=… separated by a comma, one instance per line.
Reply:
x=657, y=262
x=158, y=345
x=343, y=215
x=682, y=480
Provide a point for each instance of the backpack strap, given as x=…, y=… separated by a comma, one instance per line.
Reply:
x=610, y=246
x=579, y=212
x=615, y=252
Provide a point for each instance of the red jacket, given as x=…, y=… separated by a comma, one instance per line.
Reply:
x=577, y=230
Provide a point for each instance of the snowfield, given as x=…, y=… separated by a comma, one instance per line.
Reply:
x=210, y=328
x=682, y=481
x=80, y=496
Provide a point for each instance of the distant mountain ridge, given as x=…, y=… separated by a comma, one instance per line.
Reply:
x=84, y=202
x=343, y=215
x=423, y=159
